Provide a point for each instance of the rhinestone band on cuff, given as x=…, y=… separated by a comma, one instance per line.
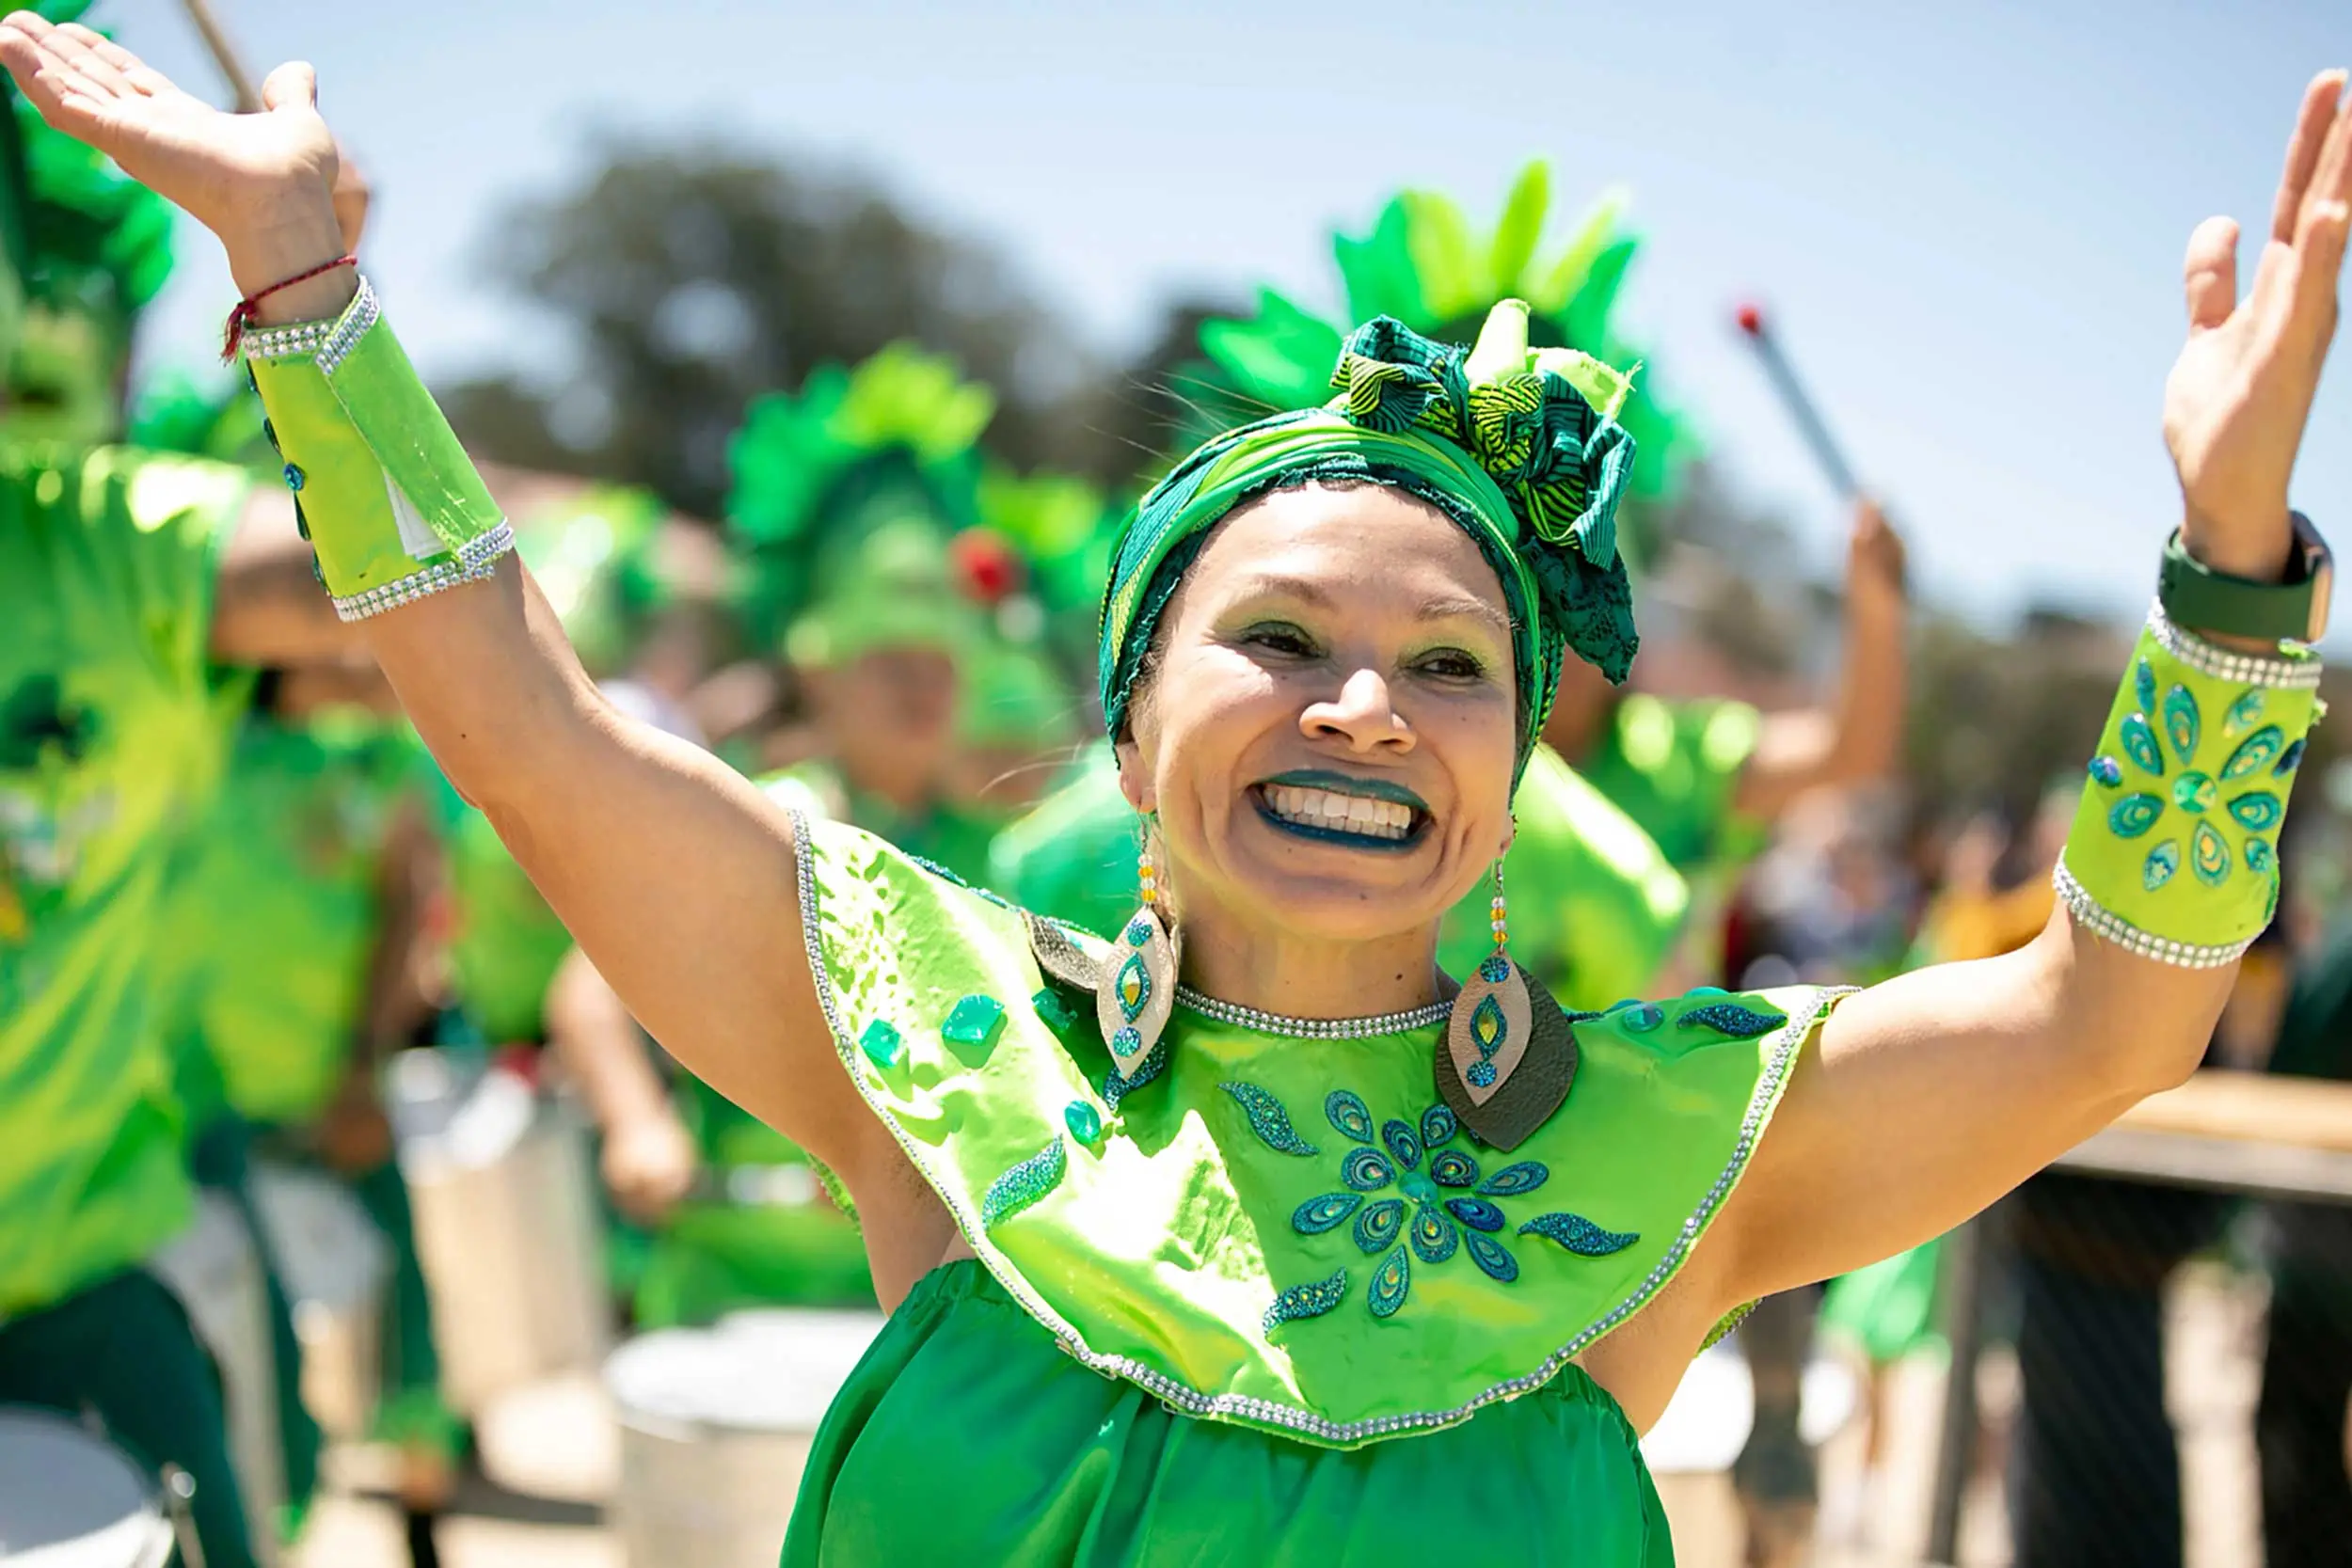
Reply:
x=475, y=560
x=2095, y=917
x=1315, y=1028
x=329, y=340
x=2297, y=675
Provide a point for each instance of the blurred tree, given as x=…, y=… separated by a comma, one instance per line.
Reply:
x=689, y=278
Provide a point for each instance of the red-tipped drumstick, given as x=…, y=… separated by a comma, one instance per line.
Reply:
x=1800, y=408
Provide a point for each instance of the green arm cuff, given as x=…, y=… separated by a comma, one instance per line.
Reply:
x=388, y=498
x=2174, y=853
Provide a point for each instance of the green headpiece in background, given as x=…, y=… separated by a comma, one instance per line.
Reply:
x=843, y=501
x=1425, y=266
x=1519, y=447
x=594, y=559
x=98, y=251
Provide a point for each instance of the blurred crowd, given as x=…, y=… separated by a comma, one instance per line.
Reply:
x=293, y=974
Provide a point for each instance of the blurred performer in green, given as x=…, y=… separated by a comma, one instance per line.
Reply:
x=1596, y=907
x=856, y=509
x=125, y=577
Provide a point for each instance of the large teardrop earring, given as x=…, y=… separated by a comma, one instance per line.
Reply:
x=1136, y=990
x=1508, y=1053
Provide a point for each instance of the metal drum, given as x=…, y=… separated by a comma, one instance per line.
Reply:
x=335, y=1264
x=215, y=1268
x=70, y=1499
x=715, y=1429
x=504, y=1192
x=1707, y=1421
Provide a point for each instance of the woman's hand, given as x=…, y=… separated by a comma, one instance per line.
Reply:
x=264, y=183
x=2236, y=400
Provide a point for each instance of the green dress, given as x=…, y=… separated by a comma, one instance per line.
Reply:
x=1265, y=1300
x=1594, y=905
x=111, y=741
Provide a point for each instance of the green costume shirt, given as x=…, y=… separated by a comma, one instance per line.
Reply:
x=276, y=916
x=111, y=741
x=1327, y=1321
x=1674, y=767
x=1594, y=907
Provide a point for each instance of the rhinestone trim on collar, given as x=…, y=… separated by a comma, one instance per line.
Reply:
x=1186, y=1401
x=1313, y=1028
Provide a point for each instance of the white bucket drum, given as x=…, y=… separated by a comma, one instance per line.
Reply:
x=715, y=1430
x=504, y=1192
x=215, y=1268
x=1707, y=1421
x=70, y=1500
x=335, y=1264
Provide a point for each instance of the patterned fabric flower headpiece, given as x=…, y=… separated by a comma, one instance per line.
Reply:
x=1521, y=448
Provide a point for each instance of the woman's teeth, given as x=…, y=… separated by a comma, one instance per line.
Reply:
x=1329, y=810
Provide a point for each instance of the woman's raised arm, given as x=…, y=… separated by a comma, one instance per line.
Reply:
x=1933, y=1094
x=675, y=874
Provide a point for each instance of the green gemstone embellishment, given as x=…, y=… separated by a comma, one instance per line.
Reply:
x=2144, y=686
x=1268, y=1120
x=1058, y=1015
x=975, y=1021
x=2106, y=770
x=2134, y=814
x=2255, y=753
x=1306, y=1301
x=2193, y=792
x=1434, y=1237
x=880, y=1043
x=2157, y=869
x=1579, y=1235
x=2140, y=744
x=1135, y=986
x=1390, y=1282
x=1328, y=1212
x=1084, y=1122
x=2209, y=857
x=2259, y=858
x=1418, y=1187
x=2243, y=714
x=2181, y=723
x=2257, y=813
x=1642, y=1020
x=1023, y=1185
x=1378, y=1224
x=1349, y=1114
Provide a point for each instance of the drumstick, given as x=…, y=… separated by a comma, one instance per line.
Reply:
x=240, y=84
x=1801, y=408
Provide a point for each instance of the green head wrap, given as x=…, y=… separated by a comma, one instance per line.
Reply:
x=1424, y=265
x=1521, y=448
x=844, y=499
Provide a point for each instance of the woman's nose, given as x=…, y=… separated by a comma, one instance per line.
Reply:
x=1361, y=716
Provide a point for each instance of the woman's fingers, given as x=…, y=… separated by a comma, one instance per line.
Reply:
x=143, y=78
x=292, y=85
x=72, y=44
x=2321, y=223
x=53, y=89
x=2313, y=124
x=2210, y=272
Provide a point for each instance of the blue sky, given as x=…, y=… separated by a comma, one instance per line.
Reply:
x=1967, y=219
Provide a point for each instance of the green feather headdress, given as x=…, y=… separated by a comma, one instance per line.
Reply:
x=1423, y=264
x=844, y=495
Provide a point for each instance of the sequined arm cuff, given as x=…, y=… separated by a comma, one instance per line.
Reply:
x=387, y=497
x=2173, y=855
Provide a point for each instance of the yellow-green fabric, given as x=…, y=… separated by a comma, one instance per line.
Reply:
x=1674, y=767
x=1594, y=908
x=111, y=741
x=504, y=943
x=1052, y=1465
x=2177, y=833
x=275, y=917
x=382, y=477
x=1155, y=1248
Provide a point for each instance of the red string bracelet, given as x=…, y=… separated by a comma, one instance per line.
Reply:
x=247, y=308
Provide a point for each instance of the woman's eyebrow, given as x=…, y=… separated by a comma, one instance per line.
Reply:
x=1459, y=606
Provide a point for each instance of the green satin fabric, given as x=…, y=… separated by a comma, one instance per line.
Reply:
x=965, y=1436
x=1156, y=1246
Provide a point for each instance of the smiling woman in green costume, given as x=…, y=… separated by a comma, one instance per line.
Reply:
x=1251, y=1239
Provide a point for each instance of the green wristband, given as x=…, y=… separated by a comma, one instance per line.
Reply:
x=2174, y=854
x=387, y=497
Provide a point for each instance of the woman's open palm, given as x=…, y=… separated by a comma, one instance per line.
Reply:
x=2236, y=400
x=226, y=170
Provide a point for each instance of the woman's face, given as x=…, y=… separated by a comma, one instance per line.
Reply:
x=1328, y=740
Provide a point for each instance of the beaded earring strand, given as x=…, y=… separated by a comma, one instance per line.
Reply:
x=1138, y=987
x=1508, y=1055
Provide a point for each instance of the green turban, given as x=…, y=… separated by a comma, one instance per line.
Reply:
x=1521, y=447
